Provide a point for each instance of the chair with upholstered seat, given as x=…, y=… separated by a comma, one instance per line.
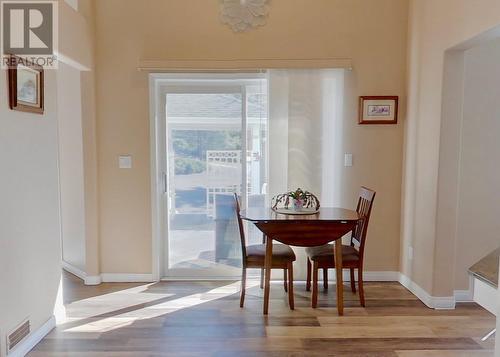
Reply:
x=254, y=256
x=352, y=257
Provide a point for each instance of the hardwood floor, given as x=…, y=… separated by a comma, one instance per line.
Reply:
x=204, y=319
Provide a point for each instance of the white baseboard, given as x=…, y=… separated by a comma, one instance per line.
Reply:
x=369, y=276
x=464, y=295
x=107, y=277
x=87, y=279
x=434, y=302
x=118, y=278
x=93, y=280
x=33, y=339
x=378, y=276
x=126, y=278
x=74, y=270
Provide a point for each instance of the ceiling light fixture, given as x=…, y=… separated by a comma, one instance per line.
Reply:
x=243, y=15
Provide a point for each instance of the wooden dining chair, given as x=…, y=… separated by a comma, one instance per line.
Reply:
x=254, y=256
x=323, y=257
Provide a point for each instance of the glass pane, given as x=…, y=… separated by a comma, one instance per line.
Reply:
x=205, y=169
x=205, y=140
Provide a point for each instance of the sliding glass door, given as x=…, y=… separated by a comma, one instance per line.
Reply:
x=216, y=132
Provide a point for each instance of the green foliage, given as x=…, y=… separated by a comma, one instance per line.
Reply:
x=298, y=194
x=187, y=166
x=190, y=147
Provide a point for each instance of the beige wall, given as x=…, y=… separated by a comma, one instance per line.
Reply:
x=30, y=249
x=30, y=240
x=76, y=32
x=435, y=26
x=129, y=31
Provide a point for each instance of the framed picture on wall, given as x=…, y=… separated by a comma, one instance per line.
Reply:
x=378, y=110
x=26, y=86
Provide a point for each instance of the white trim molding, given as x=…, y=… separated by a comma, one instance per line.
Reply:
x=376, y=276
x=371, y=276
x=118, y=278
x=464, y=295
x=438, y=302
x=241, y=65
x=33, y=339
x=383, y=276
x=126, y=278
x=74, y=270
x=107, y=277
x=87, y=279
x=93, y=280
x=434, y=302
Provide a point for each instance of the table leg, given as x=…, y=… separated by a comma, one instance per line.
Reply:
x=340, y=282
x=267, y=267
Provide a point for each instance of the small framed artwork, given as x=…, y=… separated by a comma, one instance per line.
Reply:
x=378, y=110
x=26, y=87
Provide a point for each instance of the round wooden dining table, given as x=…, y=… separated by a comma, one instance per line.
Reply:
x=330, y=224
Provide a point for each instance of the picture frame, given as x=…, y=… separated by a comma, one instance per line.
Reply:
x=378, y=110
x=26, y=85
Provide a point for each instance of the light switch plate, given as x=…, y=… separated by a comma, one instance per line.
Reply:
x=125, y=161
x=348, y=160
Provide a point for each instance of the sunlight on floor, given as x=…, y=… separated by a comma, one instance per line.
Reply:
x=147, y=309
x=204, y=318
x=59, y=308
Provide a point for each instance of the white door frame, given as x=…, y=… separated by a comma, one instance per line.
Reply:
x=158, y=83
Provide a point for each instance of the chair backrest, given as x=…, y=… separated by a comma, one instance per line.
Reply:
x=240, y=226
x=364, y=209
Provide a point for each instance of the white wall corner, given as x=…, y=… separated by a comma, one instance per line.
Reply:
x=434, y=302
x=33, y=339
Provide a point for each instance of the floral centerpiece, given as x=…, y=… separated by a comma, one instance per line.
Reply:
x=298, y=197
x=298, y=200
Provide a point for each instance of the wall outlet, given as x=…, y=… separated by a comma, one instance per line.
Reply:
x=348, y=160
x=125, y=161
x=410, y=253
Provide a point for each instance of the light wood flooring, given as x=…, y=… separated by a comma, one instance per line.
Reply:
x=204, y=319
